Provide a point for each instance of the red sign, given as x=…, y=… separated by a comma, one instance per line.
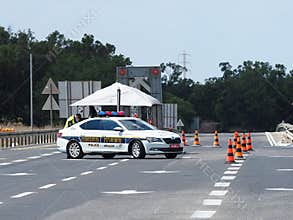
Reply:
x=155, y=71
x=122, y=71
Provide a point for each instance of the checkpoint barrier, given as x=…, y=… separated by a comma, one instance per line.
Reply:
x=25, y=138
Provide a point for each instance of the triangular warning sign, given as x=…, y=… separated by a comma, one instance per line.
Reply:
x=179, y=123
x=50, y=88
x=48, y=106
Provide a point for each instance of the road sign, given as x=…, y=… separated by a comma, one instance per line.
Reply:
x=50, y=88
x=179, y=123
x=50, y=104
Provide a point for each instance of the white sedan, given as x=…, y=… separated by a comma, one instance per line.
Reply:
x=117, y=135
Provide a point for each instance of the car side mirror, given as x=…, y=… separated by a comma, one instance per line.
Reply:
x=118, y=129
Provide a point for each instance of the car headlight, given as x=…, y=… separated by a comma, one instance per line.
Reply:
x=154, y=139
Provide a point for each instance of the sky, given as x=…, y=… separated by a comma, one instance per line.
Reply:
x=155, y=31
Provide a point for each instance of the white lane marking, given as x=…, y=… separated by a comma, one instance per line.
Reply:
x=212, y=202
x=222, y=184
x=45, y=155
x=186, y=157
x=281, y=156
x=124, y=160
x=113, y=164
x=101, y=168
x=47, y=186
x=230, y=172
x=228, y=177
x=34, y=157
x=239, y=161
x=4, y=164
x=22, y=195
x=3, y=158
x=19, y=161
x=218, y=192
x=127, y=192
x=68, y=178
x=236, y=164
x=284, y=170
x=18, y=174
x=203, y=214
x=279, y=189
x=233, y=168
x=270, y=139
x=1, y=203
x=159, y=171
x=56, y=152
x=86, y=173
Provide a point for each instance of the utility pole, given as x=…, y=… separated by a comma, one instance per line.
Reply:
x=184, y=62
x=31, y=89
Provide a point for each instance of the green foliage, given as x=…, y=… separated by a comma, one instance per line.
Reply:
x=254, y=96
x=55, y=57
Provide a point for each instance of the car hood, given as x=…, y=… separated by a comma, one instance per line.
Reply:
x=155, y=133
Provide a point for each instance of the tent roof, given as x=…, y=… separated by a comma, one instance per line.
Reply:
x=108, y=97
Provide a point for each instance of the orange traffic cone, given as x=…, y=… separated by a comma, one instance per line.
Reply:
x=183, y=138
x=249, y=144
x=235, y=142
x=243, y=144
x=239, y=154
x=216, y=139
x=196, y=139
x=230, y=155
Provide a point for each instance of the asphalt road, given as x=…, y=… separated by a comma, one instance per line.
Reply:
x=40, y=183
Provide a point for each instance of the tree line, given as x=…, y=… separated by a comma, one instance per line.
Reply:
x=254, y=95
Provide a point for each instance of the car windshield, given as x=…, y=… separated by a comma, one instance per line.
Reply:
x=133, y=124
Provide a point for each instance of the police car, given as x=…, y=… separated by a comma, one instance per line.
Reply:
x=109, y=136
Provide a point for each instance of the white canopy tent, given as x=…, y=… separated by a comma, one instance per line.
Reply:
x=108, y=96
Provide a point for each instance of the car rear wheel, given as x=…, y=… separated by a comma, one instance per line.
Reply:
x=108, y=156
x=74, y=150
x=171, y=156
x=137, y=150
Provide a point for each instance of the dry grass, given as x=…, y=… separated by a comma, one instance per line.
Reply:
x=20, y=127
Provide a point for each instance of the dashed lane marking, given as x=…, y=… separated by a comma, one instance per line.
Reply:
x=1, y=203
x=22, y=195
x=222, y=184
x=281, y=156
x=128, y=192
x=228, y=177
x=86, y=173
x=236, y=164
x=113, y=164
x=34, y=157
x=101, y=168
x=186, y=157
x=124, y=160
x=45, y=155
x=4, y=164
x=279, y=189
x=285, y=170
x=218, y=192
x=47, y=186
x=19, y=161
x=68, y=178
x=203, y=214
x=159, y=171
x=233, y=168
x=231, y=172
x=18, y=174
x=212, y=202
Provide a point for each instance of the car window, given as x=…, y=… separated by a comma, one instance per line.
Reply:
x=133, y=124
x=92, y=125
x=109, y=125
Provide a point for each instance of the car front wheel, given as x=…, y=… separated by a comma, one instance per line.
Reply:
x=170, y=156
x=137, y=150
x=74, y=150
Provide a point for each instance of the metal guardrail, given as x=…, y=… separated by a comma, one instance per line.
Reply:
x=26, y=138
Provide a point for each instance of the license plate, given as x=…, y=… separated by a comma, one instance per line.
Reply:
x=174, y=145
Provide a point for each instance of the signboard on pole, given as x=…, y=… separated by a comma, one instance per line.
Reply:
x=50, y=104
x=50, y=88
